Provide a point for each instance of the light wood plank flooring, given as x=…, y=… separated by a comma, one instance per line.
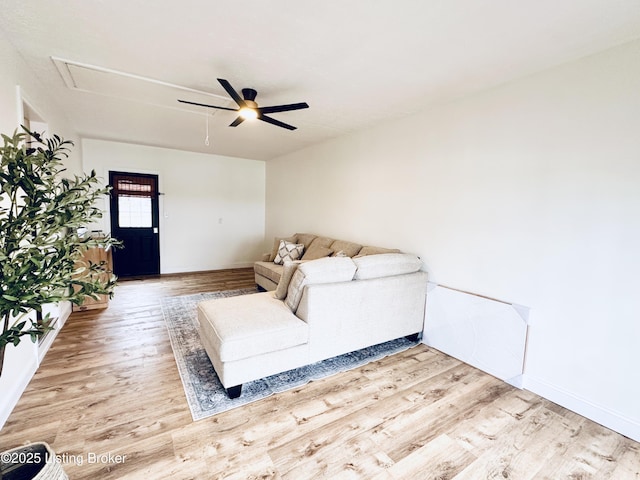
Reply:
x=109, y=385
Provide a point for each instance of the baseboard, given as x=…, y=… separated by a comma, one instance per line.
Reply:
x=64, y=310
x=21, y=362
x=199, y=269
x=599, y=414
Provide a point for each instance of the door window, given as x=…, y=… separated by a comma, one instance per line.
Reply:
x=134, y=212
x=135, y=195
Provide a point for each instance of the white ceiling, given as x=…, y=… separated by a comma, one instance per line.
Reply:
x=121, y=65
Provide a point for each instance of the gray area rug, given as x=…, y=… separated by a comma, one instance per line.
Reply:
x=206, y=395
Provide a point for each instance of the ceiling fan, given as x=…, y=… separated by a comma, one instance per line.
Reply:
x=248, y=108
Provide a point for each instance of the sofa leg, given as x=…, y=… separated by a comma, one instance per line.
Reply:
x=414, y=337
x=260, y=288
x=234, y=392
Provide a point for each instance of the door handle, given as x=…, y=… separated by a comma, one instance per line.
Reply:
x=155, y=229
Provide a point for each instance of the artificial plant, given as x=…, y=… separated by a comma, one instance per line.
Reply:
x=42, y=215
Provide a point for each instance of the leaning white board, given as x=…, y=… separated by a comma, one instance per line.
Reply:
x=489, y=334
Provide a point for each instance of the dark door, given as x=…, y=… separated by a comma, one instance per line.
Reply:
x=134, y=221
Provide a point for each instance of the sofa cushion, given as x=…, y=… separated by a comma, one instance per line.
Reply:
x=316, y=251
x=323, y=270
x=386, y=265
x=305, y=239
x=350, y=249
x=249, y=325
x=269, y=270
x=288, y=269
x=276, y=245
x=368, y=250
x=288, y=251
x=318, y=242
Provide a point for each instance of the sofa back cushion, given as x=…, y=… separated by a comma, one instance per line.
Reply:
x=386, y=265
x=369, y=250
x=319, y=244
x=349, y=249
x=323, y=270
x=305, y=239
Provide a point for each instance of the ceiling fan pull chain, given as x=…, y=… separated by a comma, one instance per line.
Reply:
x=206, y=139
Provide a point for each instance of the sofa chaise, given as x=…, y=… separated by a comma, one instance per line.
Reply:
x=320, y=309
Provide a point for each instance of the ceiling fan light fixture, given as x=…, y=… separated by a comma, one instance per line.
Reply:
x=248, y=113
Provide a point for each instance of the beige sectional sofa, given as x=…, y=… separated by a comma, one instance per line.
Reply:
x=267, y=273
x=321, y=308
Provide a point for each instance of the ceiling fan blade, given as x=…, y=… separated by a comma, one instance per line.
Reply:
x=237, y=122
x=232, y=93
x=208, y=106
x=275, y=122
x=283, y=108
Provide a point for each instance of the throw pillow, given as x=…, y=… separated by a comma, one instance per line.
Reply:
x=276, y=245
x=288, y=251
x=315, y=251
x=322, y=242
x=283, y=285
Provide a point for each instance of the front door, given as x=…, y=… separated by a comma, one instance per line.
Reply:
x=134, y=221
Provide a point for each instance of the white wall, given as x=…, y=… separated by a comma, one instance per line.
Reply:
x=529, y=192
x=21, y=362
x=14, y=73
x=212, y=210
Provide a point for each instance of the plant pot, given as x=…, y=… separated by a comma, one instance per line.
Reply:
x=35, y=461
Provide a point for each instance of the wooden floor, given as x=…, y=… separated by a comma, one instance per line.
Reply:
x=109, y=385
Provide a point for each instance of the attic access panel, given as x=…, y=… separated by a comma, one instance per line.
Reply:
x=128, y=86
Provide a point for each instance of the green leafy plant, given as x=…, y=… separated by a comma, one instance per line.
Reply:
x=41, y=213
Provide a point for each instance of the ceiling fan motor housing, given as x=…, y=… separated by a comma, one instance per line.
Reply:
x=249, y=94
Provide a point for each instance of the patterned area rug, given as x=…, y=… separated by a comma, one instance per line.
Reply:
x=206, y=395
